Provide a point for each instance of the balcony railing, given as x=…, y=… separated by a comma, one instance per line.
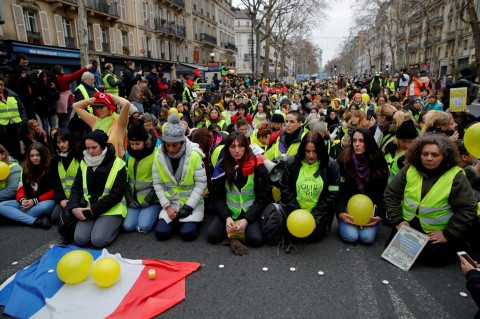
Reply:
x=170, y=28
x=70, y=42
x=450, y=35
x=230, y=46
x=179, y=3
x=105, y=47
x=103, y=6
x=208, y=38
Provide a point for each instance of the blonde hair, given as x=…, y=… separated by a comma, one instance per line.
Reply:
x=436, y=121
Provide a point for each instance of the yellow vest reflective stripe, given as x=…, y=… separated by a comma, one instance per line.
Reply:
x=187, y=96
x=216, y=154
x=240, y=200
x=84, y=92
x=196, y=85
x=433, y=211
x=112, y=90
x=104, y=123
x=220, y=123
x=3, y=183
x=9, y=111
x=121, y=207
x=393, y=165
x=308, y=186
x=179, y=191
x=274, y=151
x=67, y=177
x=141, y=181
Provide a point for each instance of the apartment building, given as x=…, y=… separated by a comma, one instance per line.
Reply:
x=173, y=34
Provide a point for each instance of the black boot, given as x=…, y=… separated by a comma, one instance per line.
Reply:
x=42, y=222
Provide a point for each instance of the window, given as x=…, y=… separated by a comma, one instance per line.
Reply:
x=465, y=45
x=124, y=39
x=30, y=21
x=67, y=28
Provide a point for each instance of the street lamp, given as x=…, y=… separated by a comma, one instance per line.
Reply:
x=212, y=56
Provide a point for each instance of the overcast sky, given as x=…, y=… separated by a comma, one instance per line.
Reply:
x=328, y=35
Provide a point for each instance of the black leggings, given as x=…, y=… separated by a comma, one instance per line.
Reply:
x=217, y=232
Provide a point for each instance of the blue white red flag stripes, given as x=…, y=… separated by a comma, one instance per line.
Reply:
x=34, y=292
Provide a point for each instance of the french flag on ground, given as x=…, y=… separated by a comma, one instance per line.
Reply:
x=34, y=292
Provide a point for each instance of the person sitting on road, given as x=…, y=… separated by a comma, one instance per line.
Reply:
x=179, y=181
x=240, y=193
x=142, y=201
x=96, y=207
x=364, y=171
x=311, y=167
x=65, y=163
x=9, y=185
x=432, y=195
x=35, y=196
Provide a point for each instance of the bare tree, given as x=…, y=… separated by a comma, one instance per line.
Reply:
x=469, y=15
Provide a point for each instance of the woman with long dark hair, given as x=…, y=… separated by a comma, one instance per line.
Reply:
x=65, y=163
x=364, y=171
x=35, y=196
x=240, y=193
x=311, y=181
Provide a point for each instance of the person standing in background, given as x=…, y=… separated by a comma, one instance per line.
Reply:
x=23, y=83
x=99, y=85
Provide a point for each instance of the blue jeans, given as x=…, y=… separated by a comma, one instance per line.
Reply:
x=139, y=107
x=11, y=209
x=188, y=230
x=352, y=234
x=47, y=121
x=141, y=219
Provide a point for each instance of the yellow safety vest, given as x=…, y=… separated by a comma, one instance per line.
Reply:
x=308, y=186
x=104, y=123
x=9, y=112
x=392, y=162
x=141, y=180
x=112, y=90
x=274, y=151
x=216, y=154
x=240, y=200
x=187, y=96
x=179, y=191
x=433, y=211
x=3, y=183
x=196, y=85
x=121, y=207
x=220, y=123
x=84, y=92
x=67, y=177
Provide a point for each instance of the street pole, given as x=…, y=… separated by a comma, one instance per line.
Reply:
x=82, y=33
x=252, y=49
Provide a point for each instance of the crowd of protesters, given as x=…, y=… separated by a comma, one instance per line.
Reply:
x=144, y=154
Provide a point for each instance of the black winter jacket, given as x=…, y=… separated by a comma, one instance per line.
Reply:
x=96, y=184
x=330, y=176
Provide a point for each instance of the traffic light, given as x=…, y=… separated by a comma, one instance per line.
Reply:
x=335, y=66
x=386, y=68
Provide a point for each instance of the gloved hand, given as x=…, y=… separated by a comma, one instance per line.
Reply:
x=237, y=247
x=185, y=211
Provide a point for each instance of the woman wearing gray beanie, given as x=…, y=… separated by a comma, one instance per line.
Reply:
x=179, y=180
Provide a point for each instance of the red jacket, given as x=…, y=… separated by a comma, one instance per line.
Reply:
x=64, y=81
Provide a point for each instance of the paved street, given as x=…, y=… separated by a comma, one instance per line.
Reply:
x=351, y=287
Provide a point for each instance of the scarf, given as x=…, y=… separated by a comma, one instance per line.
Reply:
x=385, y=126
x=362, y=171
x=94, y=161
x=141, y=154
x=181, y=157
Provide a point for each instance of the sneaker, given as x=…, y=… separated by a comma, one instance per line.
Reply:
x=42, y=222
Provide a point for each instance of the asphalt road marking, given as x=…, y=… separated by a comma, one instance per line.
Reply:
x=367, y=306
x=401, y=309
x=27, y=260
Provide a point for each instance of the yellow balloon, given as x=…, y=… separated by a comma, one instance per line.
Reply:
x=4, y=170
x=471, y=139
x=365, y=97
x=74, y=267
x=361, y=208
x=300, y=223
x=173, y=110
x=106, y=272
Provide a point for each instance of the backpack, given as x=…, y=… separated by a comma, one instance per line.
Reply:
x=274, y=227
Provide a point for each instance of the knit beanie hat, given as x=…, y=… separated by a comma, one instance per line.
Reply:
x=98, y=136
x=285, y=101
x=102, y=99
x=407, y=131
x=173, y=131
x=277, y=118
x=137, y=132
